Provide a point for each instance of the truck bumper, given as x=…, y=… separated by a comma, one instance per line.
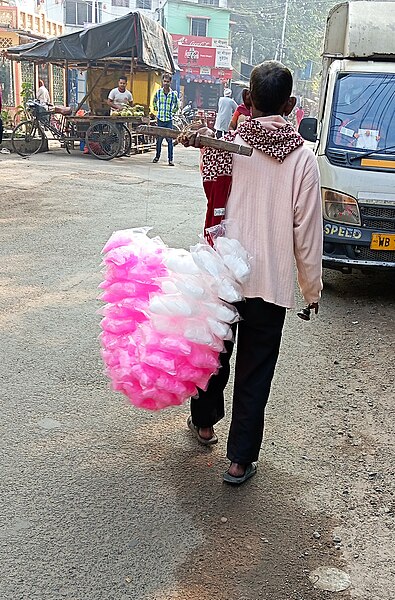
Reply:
x=346, y=265
x=348, y=248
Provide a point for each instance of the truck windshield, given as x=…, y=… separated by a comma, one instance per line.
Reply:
x=363, y=113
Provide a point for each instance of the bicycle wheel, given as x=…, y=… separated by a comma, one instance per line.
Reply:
x=27, y=138
x=126, y=141
x=103, y=140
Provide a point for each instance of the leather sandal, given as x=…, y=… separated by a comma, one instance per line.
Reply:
x=200, y=439
x=249, y=472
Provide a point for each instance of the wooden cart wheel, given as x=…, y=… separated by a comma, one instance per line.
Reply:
x=126, y=141
x=103, y=140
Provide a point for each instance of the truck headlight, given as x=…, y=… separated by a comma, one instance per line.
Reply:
x=340, y=208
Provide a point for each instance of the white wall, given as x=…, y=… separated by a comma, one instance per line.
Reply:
x=109, y=11
x=54, y=10
x=27, y=5
x=221, y=3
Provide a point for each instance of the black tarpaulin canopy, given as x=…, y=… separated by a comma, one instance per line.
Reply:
x=132, y=36
x=66, y=47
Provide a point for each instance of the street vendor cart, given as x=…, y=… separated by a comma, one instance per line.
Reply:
x=133, y=45
x=104, y=137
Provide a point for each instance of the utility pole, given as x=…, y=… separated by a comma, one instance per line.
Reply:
x=252, y=50
x=282, y=43
x=93, y=11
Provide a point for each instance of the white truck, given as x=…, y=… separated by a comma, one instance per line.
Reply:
x=355, y=136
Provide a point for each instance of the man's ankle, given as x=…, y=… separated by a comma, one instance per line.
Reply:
x=206, y=432
x=236, y=469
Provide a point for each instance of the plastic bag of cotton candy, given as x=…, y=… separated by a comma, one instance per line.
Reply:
x=166, y=315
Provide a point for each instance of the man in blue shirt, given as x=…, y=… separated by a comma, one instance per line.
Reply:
x=165, y=105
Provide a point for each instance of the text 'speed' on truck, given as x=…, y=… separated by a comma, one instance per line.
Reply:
x=355, y=137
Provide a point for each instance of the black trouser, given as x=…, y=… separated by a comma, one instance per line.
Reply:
x=1, y=130
x=258, y=344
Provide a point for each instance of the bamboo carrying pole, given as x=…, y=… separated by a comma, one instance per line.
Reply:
x=204, y=140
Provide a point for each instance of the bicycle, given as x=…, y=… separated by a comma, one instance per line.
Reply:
x=104, y=139
x=29, y=136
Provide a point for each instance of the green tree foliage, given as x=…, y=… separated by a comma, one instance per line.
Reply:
x=259, y=25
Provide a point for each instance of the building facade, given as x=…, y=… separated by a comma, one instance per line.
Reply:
x=199, y=28
x=78, y=14
x=200, y=31
x=22, y=24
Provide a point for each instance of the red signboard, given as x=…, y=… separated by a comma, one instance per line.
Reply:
x=196, y=56
x=222, y=73
x=190, y=40
x=213, y=75
x=190, y=71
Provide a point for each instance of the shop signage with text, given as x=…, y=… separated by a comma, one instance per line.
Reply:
x=220, y=43
x=199, y=56
x=190, y=40
x=223, y=58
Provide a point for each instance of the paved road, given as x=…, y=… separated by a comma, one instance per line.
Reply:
x=100, y=501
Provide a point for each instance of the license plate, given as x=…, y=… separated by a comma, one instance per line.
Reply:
x=382, y=241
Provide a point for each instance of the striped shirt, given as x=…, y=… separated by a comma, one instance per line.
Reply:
x=166, y=105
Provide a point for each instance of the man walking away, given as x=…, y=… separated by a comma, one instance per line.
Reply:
x=165, y=105
x=226, y=108
x=273, y=206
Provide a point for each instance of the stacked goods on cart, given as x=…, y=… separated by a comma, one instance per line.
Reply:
x=129, y=111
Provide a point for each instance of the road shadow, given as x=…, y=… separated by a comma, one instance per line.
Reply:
x=258, y=541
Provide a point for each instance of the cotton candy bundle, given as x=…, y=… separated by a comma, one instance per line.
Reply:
x=166, y=315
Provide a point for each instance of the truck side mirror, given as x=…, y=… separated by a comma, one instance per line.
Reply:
x=308, y=129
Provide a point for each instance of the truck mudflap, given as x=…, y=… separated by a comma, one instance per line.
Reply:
x=349, y=247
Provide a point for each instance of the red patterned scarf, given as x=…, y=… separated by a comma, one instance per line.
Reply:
x=217, y=165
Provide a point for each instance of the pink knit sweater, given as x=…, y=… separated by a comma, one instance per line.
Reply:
x=274, y=210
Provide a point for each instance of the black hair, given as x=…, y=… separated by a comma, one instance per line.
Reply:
x=167, y=75
x=270, y=86
x=123, y=77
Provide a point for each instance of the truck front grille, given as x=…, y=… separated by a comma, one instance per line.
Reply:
x=379, y=218
x=379, y=225
x=365, y=253
x=337, y=157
